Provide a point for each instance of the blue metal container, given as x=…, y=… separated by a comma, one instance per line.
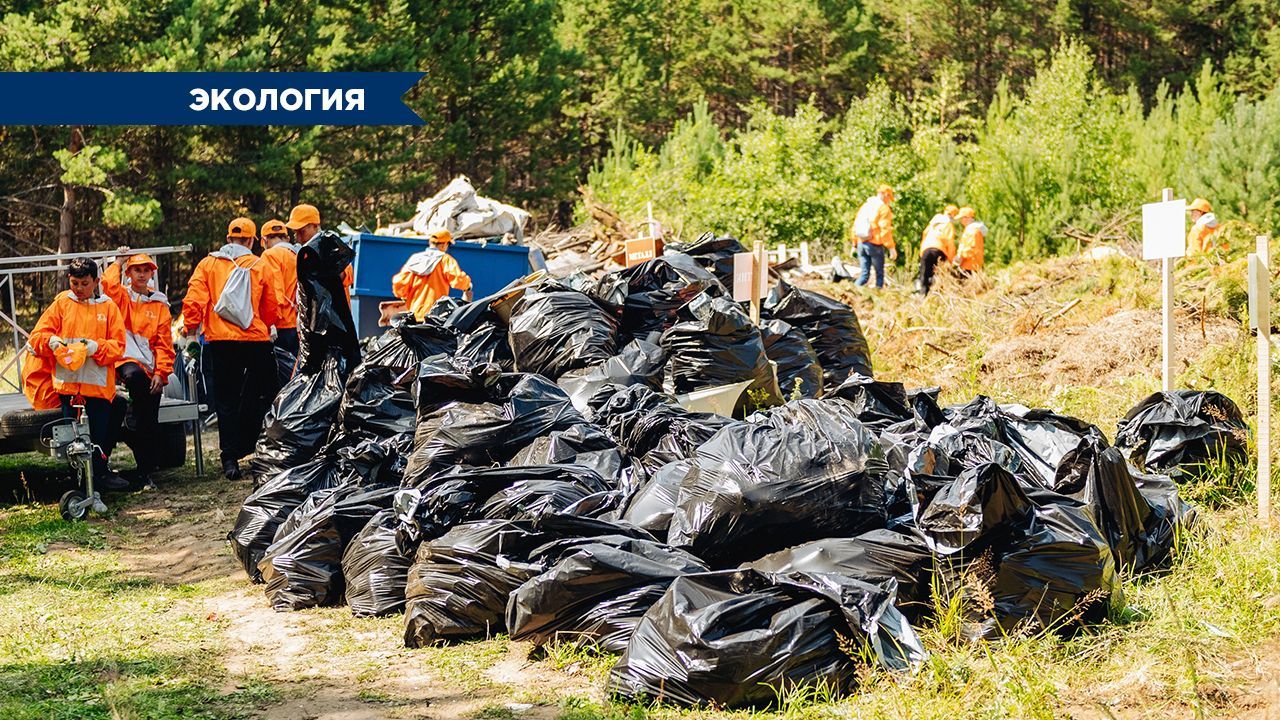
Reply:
x=379, y=257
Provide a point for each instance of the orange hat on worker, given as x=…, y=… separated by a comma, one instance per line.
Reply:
x=273, y=227
x=303, y=215
x=885, y=190
x=439, y=235
x=242, y=227
x=951, y=210
x=1200, y=204
x=966, y=212
x=140, y=260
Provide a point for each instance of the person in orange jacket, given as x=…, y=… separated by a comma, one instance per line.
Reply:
x=975, y=234
x=84, y=333
x=241, y=359
x=937, y=245
x=148, y=350
x=427, y=276
x=1204, y=225
x=873, y=235
x=304, y=221
x=281, y=259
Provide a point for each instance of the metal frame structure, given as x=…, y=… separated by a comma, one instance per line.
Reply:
x=187, y=412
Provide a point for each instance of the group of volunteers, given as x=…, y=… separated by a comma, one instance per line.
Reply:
x=242, y=307
x=873, y=237
x=872, y=234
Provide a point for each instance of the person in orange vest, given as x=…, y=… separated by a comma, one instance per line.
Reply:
x=873, y=235
x=970, y=252
x=236, y=310
x=148, y=351
x=427, y=276
x=281, y=259
x=937, y=245
x=304, y=221
x=84, y=333
x=1204, y=225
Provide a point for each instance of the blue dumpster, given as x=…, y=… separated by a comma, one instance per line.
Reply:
x=379, y=257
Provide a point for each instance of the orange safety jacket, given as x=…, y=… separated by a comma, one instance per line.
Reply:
x=425, y=278
x=281, y=260
x=97, y=319
x=1198, y=237
x=940, y=235
x=881, y=223
x=147, y=320
x=971, y=257
x=205, y=288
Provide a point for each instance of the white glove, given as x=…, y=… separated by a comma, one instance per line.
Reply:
x=92, y=346
x=55, y=342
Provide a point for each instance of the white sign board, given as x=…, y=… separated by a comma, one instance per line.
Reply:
x=743, y=270
x=1259, y=293
x=1164, y=229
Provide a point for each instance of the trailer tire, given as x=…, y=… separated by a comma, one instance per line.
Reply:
x=171, y=446
x=27, y=423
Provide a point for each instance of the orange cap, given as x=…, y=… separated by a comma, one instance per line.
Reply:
x=951, y=210
x=273, y=227
x=140, y=260
x=885, y=189
x=1200, y=204
x=439, y=234
x=966, y=212
x=242, y=227
x=303, y=215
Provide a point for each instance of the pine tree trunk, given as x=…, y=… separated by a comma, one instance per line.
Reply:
x=66, y=214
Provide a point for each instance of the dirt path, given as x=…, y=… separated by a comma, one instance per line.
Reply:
x=325, y=664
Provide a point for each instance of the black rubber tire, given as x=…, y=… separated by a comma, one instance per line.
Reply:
x=64, y=506
x=27, y=423
x=171, y=446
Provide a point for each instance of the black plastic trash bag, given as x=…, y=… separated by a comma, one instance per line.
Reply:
x=1140, y=529
x=501, y=419
x=1057, y=574
x=487, y=343
x=651, y=293
x=877, y=404
x=299, y=421
x=596, y=592
x=555, y=330
x=285, y=361
x=965, y=512
x=585, y=445
x=799, y=372
x=530, y=499
x=1174, y=432
x=755, y=488
x=303, y=568
x=638, y=363
x=376, y=568
x=873, y=557
x=715, y=343
x=713, y=253
x=831, y=326
x=378, y=397
x=654, y=503
x=644, y=422
x=263, y=511
x=325, y=324
x=743, y=638
x=460, y=582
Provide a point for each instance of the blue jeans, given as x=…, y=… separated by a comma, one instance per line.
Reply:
x=870, y=256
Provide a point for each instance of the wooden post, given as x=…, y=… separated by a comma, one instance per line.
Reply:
x=804, y=255
x=1262, y=300
x=761, y=265
x=1166, y=295
x=782, y=253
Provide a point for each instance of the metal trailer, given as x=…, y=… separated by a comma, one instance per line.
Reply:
x=492, y=266
x=23, y=429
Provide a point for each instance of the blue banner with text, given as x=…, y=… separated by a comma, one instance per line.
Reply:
x=207, y=98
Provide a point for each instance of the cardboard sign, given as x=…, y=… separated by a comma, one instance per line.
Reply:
x=1164, y=229
x=744, y=268
x=642, y=249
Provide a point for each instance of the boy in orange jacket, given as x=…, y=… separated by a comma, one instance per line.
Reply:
x=148, y=350
x=83, y=332
x=427, y=276
x=241, y=359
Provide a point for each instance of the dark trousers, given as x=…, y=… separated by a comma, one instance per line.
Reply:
x=870, y=257
x=929, y=260
x=286, y=340
x=146, y=413
x=244, y=384
x=98, y=412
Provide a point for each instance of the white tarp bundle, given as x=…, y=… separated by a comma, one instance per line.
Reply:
x=459, y=210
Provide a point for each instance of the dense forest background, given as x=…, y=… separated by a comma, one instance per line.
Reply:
x=768, y=120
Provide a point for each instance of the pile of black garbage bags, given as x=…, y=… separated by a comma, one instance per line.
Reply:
x=531, y=472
